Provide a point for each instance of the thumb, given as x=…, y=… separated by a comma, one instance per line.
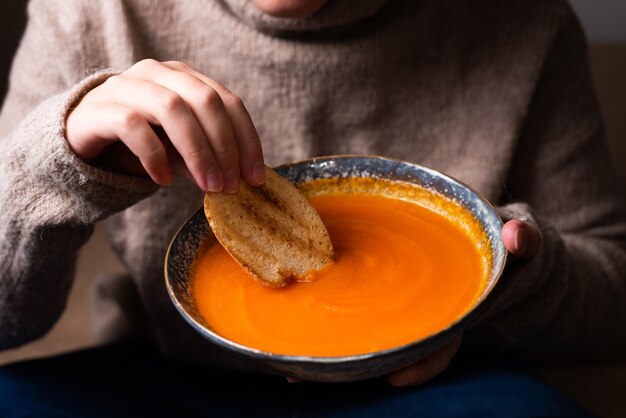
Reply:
x=521, y=239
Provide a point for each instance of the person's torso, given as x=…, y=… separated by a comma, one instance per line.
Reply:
x=429, y=82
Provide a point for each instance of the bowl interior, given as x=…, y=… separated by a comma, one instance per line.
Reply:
x=196, y=234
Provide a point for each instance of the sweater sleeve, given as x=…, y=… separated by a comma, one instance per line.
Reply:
x=569, y=300
x=49, y=198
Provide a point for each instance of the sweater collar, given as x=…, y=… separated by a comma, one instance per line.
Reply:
x=333, y=15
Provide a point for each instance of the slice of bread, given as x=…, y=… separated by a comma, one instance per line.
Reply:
x=272, y=230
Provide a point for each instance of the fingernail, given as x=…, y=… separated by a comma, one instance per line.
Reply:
x=292, y=380
x=214, y=180
x=231, y=181
x=258, y=172
x=520, y=241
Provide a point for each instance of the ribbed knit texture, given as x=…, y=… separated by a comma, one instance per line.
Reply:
x=496, y=96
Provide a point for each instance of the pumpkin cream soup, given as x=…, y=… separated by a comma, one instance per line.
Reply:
x=402, y=272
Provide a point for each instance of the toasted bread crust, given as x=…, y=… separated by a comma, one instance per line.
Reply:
x=272, y=230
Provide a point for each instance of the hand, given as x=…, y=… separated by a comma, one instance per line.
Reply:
x=207, y=135
x=427, y=368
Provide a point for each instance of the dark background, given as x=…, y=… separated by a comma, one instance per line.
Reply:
x=12, y=23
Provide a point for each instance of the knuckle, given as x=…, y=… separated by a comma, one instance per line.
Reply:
x=146, y=64
x=153, y=152
x=252, y=143
x=170, y=102
x=250, y=146
x=233, y=100
x=226, y=151
x=200, y=153
x=128, y=119
x=209, y=98
x=179, y=65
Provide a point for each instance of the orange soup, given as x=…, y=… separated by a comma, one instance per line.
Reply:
x=402, y=272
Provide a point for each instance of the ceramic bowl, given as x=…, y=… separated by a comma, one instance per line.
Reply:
x=196, y=233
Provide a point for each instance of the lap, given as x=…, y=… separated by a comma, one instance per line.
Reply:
x=133, y=379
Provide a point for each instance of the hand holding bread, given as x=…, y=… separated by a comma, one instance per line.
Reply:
x=161, y=119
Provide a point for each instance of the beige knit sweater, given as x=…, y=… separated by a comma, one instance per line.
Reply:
x=495, y=94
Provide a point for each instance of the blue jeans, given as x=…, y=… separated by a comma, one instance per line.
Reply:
x=132, y=379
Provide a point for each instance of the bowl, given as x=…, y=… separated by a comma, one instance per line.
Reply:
x=195, y=234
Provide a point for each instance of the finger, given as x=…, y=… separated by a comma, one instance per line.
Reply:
x=521, y=239
x=250, y=150
x=176, y=161
x=292, y=380
x=210, y=112
x=427, y=368
x=161, y=106
x=117, y=122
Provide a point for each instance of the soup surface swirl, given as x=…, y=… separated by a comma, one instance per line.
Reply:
x=402, y=272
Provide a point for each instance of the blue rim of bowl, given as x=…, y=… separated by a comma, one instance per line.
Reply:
x=448, y=332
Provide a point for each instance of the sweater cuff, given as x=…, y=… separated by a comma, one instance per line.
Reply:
x=51, y=171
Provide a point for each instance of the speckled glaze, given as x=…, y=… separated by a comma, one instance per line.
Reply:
x=196, y=234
